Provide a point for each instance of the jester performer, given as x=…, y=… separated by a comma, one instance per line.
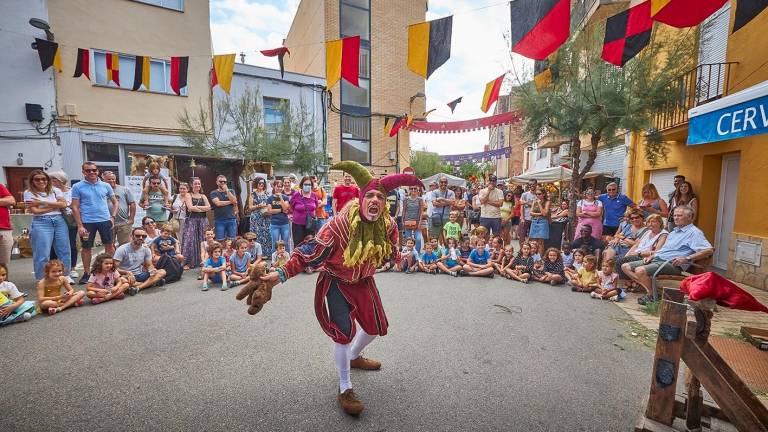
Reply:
x=348, y=249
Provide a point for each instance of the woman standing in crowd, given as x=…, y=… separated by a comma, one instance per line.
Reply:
x=303, y=205
x=683, y=195
x=158, y=200
x=413, y=211
x=652, y=203
x=6, y=231
x=48, y=226
x=60, y=180
x=590, y=212
x=195, y=225
x=539, y=218
x=507, y=208
x=517, y=211
x=279, y=225
x=258, y=207
x=629, y=232
x=558, y=225
x=179, y=208
x=653, y=239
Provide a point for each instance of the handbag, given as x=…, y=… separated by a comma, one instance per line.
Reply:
x=69, y=218
x=411, y=224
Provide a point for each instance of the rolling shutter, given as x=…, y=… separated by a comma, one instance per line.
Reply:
x=664, y=181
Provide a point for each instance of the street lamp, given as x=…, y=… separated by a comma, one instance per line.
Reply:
x=42, y=25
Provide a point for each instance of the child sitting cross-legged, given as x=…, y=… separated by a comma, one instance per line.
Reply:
x=50, y=297
x=450, y=262
x=607, y=278
x=586, y=279
x=465, y=250
x=410, y=257
x=215, y=268
x=428, y=262
x=554, y=272
x=566, y=255
x=13, y=307
x=166, y=244
x=254, y=247
x=521, y=267
x=535, y=252
x=240, y=263
x=537, y=271
x=572, y=270
x=478, y=263
x=105, y=282
x=505, y=261
x=280, y=256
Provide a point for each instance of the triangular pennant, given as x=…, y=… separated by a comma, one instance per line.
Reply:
x=49, y=54
x=280, y=54
x=224, y=68
x=83, y=63
x=452, y=104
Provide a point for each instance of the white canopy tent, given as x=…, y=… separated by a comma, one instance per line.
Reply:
x=553, y=174
x=452, y=180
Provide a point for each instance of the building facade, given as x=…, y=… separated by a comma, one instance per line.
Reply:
x=107, y=122
x=511, y=135
x=717, y=139
x=386, y=84
x=26, y=145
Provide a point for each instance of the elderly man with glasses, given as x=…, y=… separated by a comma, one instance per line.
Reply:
x=225, y=210
x=614, y=207
x=442, y=201
x=94, y=207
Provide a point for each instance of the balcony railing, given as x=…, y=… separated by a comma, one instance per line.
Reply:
x=705, y=83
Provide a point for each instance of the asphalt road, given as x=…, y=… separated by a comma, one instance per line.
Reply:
x=178, y=359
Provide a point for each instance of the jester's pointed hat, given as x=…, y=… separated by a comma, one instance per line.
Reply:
x=366, y=182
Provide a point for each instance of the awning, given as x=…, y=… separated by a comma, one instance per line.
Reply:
x=452, y=180
x=741, y=114
x=553, y=174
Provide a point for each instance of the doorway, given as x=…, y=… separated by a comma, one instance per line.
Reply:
x=726, y=208
x=17, y=181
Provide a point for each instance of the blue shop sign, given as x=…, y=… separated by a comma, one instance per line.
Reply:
x=738, y=115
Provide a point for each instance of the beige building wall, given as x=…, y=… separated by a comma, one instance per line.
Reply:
x=392, y=83
x=513, y=136
x=135, y=28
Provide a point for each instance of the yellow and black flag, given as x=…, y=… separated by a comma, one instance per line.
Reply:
x=141, y=73
x=49, y=54
x=429, y=45
x=542, y=74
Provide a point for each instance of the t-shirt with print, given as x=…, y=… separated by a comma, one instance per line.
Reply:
x=165, y=246
x=479, y=258
x=344, y=194
x=8, y=292
x=240, y=264
x=526, y=262
x=104, y=280
x=429, y=258
x=277, y=219
x=255, y=252
x=607, y=281
x=47, y=199
x=211, y=263
x=131, y=259
x=452, y=230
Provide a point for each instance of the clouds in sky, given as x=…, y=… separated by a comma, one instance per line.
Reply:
x=479, y=54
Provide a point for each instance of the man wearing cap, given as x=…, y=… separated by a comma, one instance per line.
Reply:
x=442, y=201
x=491, y=200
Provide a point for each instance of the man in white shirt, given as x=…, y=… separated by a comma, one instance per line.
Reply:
x=491, y=200
x=527, y=199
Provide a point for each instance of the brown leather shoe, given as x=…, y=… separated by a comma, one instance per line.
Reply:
x=365, y=363
x=350, y=403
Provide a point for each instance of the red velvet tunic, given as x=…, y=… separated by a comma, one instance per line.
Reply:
x=356, y=284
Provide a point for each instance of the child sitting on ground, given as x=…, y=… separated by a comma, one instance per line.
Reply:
x=428, y=262
x=49, y=295
x=521, y=267
x=478, y=233
x=279, y=256
x=452, y=229
x=254, y=248
x=554, y=272
x=410, y=257
x=535, y=252
x=210, y=239
x=105, y=282
x=465, y=250
x=13, y=307
x=566, y=254
x=239, y=263
x=572, y=271
x=450, y=262
x=608, y=278
x=477, y=264
x=435, y=247
x=505, y=261
x=215, y=268
x=586, y=280
x=537, y=271
x=166, y=244
x=227, y=248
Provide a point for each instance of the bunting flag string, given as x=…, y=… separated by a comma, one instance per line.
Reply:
x=489, y=154
x=49, y=54
x=223, y=69
x=429, y=45
x=342, y=60
x=83, y=64
x=280, y=54
x=466, y=125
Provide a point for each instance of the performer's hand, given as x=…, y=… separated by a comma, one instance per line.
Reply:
x=272, y=276
x=258, y=290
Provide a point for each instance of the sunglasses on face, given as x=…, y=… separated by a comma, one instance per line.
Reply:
x=221, y=181
x=155, y=183
x=149, y=223
x=37, y=179
x=139, y=236
x=91, y=170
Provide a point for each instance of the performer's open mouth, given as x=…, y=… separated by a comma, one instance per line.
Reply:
x=373, y=209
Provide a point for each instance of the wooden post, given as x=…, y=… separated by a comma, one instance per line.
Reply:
x=669, y=348
x=695, y=402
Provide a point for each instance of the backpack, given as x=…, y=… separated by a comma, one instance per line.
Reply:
x=172, y=267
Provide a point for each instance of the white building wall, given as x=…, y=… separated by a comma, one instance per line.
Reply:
x=24, y=82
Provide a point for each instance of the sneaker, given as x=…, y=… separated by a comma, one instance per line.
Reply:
x=74, y=274
x=350, y=404
x=408, y=271
x=160, y=283
x=84, y=279
x=132, y=291
x=454, y=274
x=24, y=317
x=97, y=300
x=594, y=295
x=70, y=280
x=224, y=286
x=614, y=298
x=205, y=287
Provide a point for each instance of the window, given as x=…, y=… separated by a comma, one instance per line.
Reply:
x=275, y=111
x=168, y=4
x=541, y=153
x=159, y=72
x=354, y=16
x=356, y=139
x=102, y=152
x=355, y=96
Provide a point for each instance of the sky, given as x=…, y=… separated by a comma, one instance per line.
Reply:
x=479, y=54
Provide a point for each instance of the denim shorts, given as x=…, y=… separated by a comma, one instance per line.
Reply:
x=103, y=228
x=142, y=277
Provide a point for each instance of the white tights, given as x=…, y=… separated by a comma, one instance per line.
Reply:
x=343, y=354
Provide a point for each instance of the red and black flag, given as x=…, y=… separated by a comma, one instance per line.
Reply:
x=49, y=54
x=393, y=124
x=83, y=63
x=539, y=27
x=279, y=53
x=141, y=73
x=429, y=45
x=491, y=93
x=627, y=33
x=179, y=67
x=452, y=104
x=684, y=13
x=746, y=10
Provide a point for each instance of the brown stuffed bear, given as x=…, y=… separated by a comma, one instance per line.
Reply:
x=256, y=290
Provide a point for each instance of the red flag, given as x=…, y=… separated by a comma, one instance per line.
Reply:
x=179, y=67
x=726, y=293
x=342, y=60
x=684, y=13
x=279, y=53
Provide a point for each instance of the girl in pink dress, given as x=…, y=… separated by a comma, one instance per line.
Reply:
x=590, y=212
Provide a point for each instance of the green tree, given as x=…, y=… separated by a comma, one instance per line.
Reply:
x=594, y=100
x=426, y=163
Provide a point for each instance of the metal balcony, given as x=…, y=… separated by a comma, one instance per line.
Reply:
x=705, y=83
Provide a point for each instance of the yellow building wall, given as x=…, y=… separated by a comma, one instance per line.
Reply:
x=135, y=28
x=702, y=164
